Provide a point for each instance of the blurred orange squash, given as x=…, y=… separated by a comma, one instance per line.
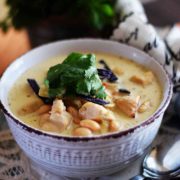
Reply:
x=12, y=44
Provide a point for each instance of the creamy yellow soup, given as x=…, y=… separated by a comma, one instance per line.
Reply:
x=21, y=93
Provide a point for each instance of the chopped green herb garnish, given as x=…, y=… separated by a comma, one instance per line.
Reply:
x=76, y=75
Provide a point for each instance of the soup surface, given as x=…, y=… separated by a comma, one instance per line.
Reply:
x=134, y=97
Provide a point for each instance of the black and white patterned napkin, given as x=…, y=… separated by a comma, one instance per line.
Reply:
x=135, y=30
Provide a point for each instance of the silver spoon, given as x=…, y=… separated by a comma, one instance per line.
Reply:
x=163, y=162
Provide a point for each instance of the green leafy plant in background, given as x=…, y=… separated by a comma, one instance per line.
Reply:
x=97, y=14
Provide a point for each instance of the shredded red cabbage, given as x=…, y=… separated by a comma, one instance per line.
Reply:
x=35, y=87
x=124, y=91
x=113, y=77
x=94, y=100
x=104, y=73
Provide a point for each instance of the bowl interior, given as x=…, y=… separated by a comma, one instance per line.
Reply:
x=38, y=55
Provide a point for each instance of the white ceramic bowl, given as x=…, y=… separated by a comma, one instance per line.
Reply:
x=88, y=156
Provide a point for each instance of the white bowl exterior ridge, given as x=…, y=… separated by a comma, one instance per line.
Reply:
x=84, y=158
x=87, y=157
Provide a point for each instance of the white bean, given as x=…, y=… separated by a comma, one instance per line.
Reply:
x=113, y=126
x=82, y=131
x=92, y=125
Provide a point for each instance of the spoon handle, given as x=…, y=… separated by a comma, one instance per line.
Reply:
x=140, y=177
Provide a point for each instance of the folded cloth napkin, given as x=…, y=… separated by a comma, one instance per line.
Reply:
x=135, y=30
x=173, y=45
x=127, y=7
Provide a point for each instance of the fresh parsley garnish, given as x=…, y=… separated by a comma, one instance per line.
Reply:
x=76, y=75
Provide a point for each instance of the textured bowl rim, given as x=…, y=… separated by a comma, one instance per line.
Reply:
x=148, y=121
